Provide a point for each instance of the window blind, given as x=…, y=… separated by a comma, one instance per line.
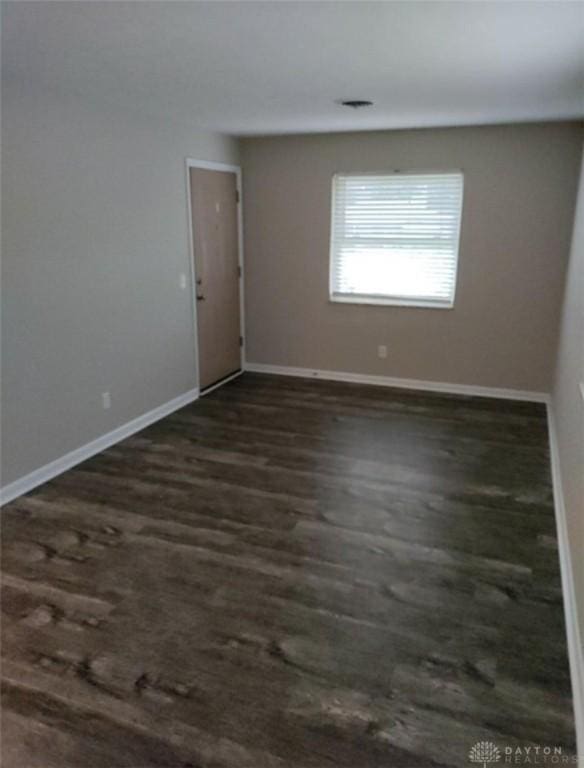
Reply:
x=394, y=238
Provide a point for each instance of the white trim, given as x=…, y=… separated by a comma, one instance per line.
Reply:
x=393, y=301
x=387, y=301
x=575, y=648
x=396, y=382
x=227, y=379
x=236, y=169
x=57, y=467
x=192, y=272
x=209, y=165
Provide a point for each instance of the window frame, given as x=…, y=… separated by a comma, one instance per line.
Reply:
x=382, y=299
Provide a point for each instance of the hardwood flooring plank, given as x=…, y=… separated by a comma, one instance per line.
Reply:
x=290, y=574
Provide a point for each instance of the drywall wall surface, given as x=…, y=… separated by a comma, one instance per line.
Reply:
x=94, y=243
x=519, y=192
x=568, y=402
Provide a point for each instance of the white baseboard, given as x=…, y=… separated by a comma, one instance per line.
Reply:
x=391, y=381
x=57, y=467
x=220, y=383
x=575, y=649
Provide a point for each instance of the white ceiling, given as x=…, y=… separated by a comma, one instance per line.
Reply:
x=271, y=67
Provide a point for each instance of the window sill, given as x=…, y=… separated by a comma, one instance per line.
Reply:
x=390, y=302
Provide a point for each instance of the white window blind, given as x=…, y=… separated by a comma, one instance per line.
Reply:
x=394, y=238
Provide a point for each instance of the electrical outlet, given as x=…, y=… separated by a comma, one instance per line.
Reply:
x=183, y=281
x=106, y=400
x=382, y=350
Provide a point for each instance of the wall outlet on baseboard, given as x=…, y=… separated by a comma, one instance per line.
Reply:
x=106, y=400
x=382, y=350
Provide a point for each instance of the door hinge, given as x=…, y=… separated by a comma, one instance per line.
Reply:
x=238, y=271
x=237, y=196
x=241, y=341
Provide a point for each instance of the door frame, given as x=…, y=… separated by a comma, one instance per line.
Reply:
x=236, y=169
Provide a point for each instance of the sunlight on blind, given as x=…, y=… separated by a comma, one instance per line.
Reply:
x=395, y=238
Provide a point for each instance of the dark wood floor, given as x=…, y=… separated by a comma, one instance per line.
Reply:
x=290, y=573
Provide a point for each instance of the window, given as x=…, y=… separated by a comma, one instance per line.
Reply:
x=394, y=238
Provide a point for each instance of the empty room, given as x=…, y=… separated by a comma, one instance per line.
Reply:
x=292, y=404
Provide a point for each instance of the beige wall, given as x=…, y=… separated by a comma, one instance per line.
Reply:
x=568, y=402
x=520, y=184
x=94, y=239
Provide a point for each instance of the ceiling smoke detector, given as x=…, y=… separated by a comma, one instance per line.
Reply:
x=355, y=103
